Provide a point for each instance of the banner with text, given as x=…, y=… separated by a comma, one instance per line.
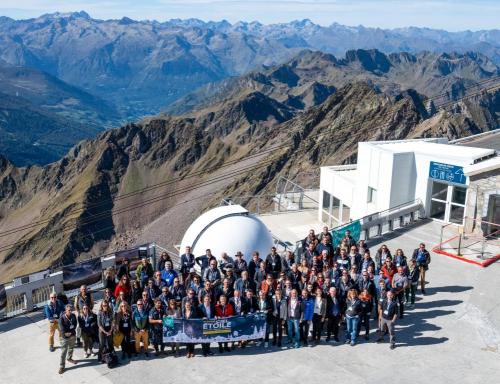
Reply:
x=235, y=328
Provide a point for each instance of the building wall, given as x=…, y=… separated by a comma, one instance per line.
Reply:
x=404, y=179
x=481, y=188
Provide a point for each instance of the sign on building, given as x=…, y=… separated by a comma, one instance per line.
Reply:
x=447, y=172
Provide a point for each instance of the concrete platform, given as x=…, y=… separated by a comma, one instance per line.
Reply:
x=453, y=335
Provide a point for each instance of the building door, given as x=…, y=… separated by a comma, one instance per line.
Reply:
x=448, y=202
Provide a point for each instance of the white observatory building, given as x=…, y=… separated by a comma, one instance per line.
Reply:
x=229, y=229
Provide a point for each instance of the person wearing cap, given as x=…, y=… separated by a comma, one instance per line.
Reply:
x=187, y=262
x=204, y=261
x=240, y=264
x=273, y=263
x=53, y=311
x=388, y=317
x=67, y=326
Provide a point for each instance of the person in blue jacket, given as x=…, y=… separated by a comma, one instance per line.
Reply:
x=52, y=312
x=307, y=313
x=169, y=274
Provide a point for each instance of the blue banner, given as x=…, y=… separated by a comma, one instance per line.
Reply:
x=339, y=233
x=234, y=328
x=447, y=172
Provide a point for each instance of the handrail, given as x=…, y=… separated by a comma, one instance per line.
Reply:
x=380, y=213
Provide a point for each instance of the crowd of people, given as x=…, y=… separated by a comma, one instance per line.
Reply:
x=322, y=292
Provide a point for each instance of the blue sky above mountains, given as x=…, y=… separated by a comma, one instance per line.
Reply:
x=452, y=15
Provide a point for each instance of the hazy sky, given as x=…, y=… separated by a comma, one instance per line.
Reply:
x=452, y=15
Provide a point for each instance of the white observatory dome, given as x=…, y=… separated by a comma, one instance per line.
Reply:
x=228, y=229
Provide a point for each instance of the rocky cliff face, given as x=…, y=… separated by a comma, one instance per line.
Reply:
x=165, y=170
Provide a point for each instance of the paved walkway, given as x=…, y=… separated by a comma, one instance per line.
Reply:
x=453, y=336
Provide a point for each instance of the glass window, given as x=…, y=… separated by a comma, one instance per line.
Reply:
x=457, y=214
x=458, y=196
x=439, y=190
x=326, y=201
x=346, y=213
x=438, y=210
x=326, y=219
x=372, y=195
x=335, y=207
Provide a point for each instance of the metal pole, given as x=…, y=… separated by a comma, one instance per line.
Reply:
x=441, y=238
x=459, y=244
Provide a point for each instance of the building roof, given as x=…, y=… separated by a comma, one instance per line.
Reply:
x=444, y=150
x=230, y=229
x=488, y=140
x=483, y=166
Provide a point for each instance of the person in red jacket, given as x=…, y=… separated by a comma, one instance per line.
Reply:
x=222, y=310
x=388, y=269
x=123, y=286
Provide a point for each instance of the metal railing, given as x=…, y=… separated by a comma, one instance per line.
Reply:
x=30, y=292
x=382, y=222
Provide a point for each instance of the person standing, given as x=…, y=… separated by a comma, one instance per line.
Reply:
x=273, y=263
x=352, y=316
x=67, y=326
x=123, y=324
x=140, y=326
x=265, y=307
x=156, y=324
x=187, y=262
x=399, y=284
x=423, y=259
x=144, y=271
x=334, y=313
x=414, y=276
x=204, y=261
x=206, y=311
x=105, y=326
x=319, y=315
x=279, y=316
x=174, y=312
x=88, y=323
x=294, y=314
x=366, y=310
x=388, y=316
x=81, y=299
x=188, y=313
x=53, y=311
x=223, y=310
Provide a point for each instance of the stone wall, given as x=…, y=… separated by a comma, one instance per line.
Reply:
x=481, y=187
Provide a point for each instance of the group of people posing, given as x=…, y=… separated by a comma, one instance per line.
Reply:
x=318, y=291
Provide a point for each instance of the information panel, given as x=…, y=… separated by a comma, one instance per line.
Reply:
x=447, y=172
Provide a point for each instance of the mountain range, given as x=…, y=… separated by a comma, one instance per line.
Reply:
x=81, y=75
x=241, y=105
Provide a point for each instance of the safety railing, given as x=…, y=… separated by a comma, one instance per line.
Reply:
x=290, y=196
x=383, y=222
x=29, y=292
